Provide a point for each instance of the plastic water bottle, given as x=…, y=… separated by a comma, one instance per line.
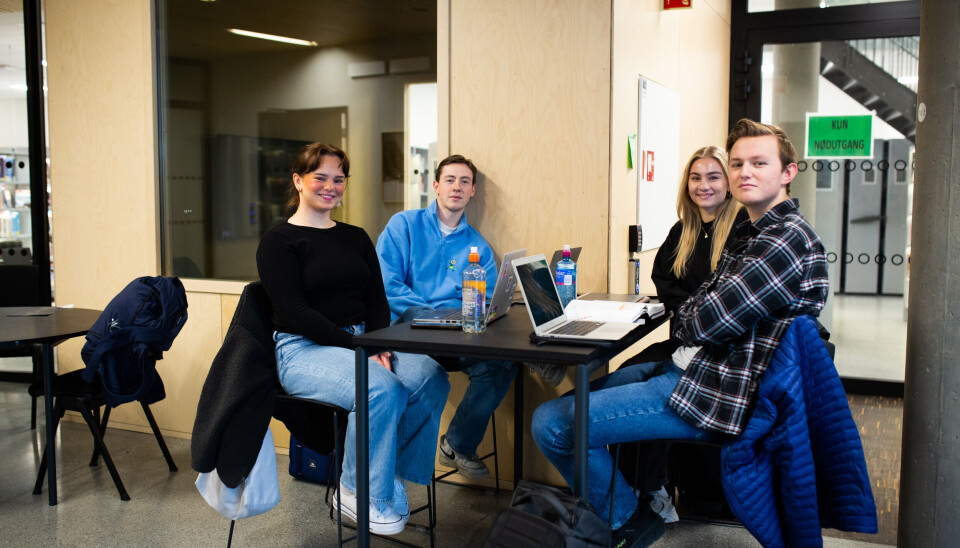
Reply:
x=566, y=278
x=474, y=295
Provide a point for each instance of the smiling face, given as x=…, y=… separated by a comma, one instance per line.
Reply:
x=707, y=186
x=758, y=180
x=454, y=187
x=322, y=189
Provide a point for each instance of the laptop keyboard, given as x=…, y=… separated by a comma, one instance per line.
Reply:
x=578, y=327
x=452, y=315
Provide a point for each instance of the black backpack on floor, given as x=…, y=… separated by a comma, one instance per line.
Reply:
x=540, y=515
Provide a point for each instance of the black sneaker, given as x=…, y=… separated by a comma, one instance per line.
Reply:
x=642, y=529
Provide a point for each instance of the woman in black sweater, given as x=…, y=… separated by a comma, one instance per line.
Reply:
x=323, y=280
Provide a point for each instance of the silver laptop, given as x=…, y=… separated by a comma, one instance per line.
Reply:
x=546, y=312
x=497, y=308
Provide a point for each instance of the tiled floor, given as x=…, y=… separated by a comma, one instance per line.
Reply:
x=166, y=510
x=871, y=337
x=880, y=421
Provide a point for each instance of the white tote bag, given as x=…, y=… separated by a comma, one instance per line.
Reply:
x=257, y=493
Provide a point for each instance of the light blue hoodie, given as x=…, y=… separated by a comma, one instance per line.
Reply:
x=421, y=267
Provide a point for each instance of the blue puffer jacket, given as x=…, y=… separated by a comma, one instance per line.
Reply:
x=798, y=466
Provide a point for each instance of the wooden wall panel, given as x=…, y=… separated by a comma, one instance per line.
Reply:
x=528, y=99
x=529, y=103
x=102, y=160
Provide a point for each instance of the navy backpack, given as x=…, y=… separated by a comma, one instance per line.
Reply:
x=131, y=334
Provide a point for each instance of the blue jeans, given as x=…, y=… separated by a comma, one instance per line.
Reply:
x=404, y=410
x=629, y=404
x=489, y=382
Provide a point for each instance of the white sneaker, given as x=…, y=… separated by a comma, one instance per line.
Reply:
x=387, y=522
x=400, y=503
x=662, y=505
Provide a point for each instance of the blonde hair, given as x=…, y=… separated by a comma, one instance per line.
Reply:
x=689, y=214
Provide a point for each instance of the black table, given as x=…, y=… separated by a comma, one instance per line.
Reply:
x=45, y=326
x=506, y=339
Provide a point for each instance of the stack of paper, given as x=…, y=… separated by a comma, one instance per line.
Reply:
x=611, y=311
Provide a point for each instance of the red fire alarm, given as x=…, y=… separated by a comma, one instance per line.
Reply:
x=677, y=4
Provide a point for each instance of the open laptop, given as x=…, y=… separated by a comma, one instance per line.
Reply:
x=497, y=308
x=546, y=312
x=558, y=254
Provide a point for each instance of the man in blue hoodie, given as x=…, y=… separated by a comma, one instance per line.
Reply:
x=422, y=256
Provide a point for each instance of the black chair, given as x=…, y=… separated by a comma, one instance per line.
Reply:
x=19, y=287
x=71, y=393
x=317, y=425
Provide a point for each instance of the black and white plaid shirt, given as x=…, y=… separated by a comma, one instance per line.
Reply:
x=764, y=280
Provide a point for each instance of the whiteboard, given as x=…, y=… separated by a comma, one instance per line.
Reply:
x=658, y=143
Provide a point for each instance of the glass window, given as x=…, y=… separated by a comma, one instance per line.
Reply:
x=16, y=238
x=236, y=107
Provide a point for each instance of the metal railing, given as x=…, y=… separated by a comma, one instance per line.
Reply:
x=899, y=56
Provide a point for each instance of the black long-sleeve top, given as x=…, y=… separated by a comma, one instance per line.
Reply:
x=321, y=280
x=673, y=291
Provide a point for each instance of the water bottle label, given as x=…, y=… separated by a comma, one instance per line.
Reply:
x=474, y=297
x=469, y=301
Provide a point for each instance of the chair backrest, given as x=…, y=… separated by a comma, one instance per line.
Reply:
x=19, y=285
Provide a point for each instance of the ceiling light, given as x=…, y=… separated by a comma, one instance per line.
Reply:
x=273, y=37
x=906, y=80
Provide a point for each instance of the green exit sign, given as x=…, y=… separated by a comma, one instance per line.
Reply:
x=839, y=136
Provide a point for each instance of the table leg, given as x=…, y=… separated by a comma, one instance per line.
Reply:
x=48, y=417
x=518, y=426
x=363, y=450
x=581, y=408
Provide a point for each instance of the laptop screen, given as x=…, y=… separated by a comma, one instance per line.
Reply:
x=540, y=292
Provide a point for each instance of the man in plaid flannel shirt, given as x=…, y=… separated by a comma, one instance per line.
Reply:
x=763, y=281
x=730, y=327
